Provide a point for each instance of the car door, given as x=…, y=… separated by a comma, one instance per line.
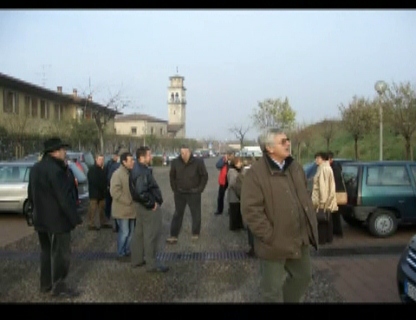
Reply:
x=411, y=209
x=13, y=187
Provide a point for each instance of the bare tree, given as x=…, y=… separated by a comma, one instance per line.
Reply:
x=102, y=116
x=240, y=132
x=359, y=118
x=328, y=130
x=400, y=104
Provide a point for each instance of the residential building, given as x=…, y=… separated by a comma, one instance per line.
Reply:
x=29, y=108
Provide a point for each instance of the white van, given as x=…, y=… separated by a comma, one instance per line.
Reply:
x=251, y=151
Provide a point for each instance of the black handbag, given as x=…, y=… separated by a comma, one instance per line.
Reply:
x=322, y=215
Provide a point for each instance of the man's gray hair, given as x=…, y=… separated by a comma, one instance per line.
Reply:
x=266, y=139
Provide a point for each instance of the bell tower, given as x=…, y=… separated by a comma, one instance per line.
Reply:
x=177, y=105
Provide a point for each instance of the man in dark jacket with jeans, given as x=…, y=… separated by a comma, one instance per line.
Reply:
x=188, y=177
x=52, y=194
x=146, y=193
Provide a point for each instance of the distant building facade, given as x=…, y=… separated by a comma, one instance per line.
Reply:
x=143, y=124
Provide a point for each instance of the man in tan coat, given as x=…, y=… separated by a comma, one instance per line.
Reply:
x=278, y=209
x=123, y=208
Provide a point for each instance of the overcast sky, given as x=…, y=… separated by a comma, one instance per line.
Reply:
x=231, y=59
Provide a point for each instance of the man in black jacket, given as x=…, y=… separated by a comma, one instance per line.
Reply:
x=188, y=179
x=109, y=168
x=52, y=193
x=97, y=189
x=146, y=193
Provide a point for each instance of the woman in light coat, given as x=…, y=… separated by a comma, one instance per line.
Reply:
x=324, y=197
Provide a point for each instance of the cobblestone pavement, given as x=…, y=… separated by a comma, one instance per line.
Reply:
x=211, y=269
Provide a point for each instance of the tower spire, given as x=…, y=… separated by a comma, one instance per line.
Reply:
x=177, y=70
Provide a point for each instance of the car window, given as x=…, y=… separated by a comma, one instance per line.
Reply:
x=395, y=175
x=413, y=169
x=89, y=158
x=12, y=174
x=26, y=177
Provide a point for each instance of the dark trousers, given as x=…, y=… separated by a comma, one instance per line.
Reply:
x=325, y=230
x=54, y=260
x=336, y=218
x=236, y=220
x=250, y=238
x=220, y=199
x=108, y=202
x=193, y=200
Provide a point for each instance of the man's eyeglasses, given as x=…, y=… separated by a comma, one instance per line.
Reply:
x=284, y=140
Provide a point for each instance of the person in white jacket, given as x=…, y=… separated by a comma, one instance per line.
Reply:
x=324, y=197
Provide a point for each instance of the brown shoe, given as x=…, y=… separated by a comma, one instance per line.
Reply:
x=106, y=226
x=93, y=228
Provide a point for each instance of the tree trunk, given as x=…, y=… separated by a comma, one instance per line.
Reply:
x=356, y=148
x=408, y=148
x=299, y=158
x=101, y=135
x=328, y=141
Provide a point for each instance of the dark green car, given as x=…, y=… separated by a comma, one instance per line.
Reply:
x=381, y=195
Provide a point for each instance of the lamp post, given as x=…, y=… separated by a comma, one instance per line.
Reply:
x=381, y=87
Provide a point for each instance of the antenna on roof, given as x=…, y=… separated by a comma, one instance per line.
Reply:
x=43, y=73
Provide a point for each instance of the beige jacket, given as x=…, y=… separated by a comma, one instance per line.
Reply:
x=122, y=206
x=323, y=191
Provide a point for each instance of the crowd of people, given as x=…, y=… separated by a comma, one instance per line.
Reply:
x=268, y=198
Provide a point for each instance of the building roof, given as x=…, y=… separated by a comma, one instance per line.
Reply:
x=174, y=127
x=26, y=87
x=137, y=117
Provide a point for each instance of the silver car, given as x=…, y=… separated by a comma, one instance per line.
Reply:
x=14, y=179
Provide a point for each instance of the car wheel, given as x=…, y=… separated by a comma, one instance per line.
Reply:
x=382, y=223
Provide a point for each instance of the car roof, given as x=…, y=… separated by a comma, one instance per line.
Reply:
x=17, y=163
x=383, y=162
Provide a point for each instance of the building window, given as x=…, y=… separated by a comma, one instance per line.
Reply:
x=176, y=97
x=161, y=131
x=10, y=105
x=44, y=109
x=134, y=131
x=58, y=111
x=34, y=107
x=172, y=97
x=152, y=131
x=28, y=107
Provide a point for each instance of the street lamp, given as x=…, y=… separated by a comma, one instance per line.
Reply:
x=381, y=87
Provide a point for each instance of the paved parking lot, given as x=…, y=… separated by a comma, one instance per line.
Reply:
x=356, y=268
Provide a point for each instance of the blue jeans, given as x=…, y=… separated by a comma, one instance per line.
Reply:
x=125, y=233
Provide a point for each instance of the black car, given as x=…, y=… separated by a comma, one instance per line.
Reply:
x=406, y=273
